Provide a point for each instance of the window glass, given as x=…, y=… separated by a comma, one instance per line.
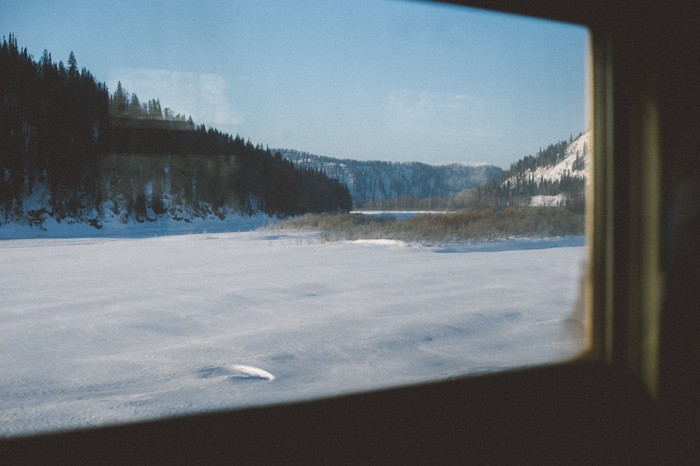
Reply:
x=213, y=205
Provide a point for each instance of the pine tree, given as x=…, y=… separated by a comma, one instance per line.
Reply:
x=119, y=99
x=72, y=66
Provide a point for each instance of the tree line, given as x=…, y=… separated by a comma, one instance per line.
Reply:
x=65, y=138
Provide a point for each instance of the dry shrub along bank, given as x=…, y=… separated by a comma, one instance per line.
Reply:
x=461, y=226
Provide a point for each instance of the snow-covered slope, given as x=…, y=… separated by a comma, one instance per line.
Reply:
x=553, y=184
x=578, y=150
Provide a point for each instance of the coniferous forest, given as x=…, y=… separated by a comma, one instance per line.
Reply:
x=71, y=150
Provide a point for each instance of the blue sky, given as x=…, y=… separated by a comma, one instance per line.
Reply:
x=380, y=79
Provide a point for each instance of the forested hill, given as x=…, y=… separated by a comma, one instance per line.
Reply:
x=375, y=183
x=70, y=150
x=555, y=176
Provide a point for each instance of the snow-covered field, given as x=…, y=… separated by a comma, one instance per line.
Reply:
x=105, y=330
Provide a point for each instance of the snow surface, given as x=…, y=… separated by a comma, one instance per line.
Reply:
x=109, y=330
x=113, y=227
x=548, y=201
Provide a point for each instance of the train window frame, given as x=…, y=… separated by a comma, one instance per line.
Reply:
x=623, y=299
x=623, y=288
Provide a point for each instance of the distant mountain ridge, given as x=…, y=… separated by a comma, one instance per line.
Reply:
x=370, y=181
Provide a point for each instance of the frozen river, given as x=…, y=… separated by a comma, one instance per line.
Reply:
x=105, y=330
